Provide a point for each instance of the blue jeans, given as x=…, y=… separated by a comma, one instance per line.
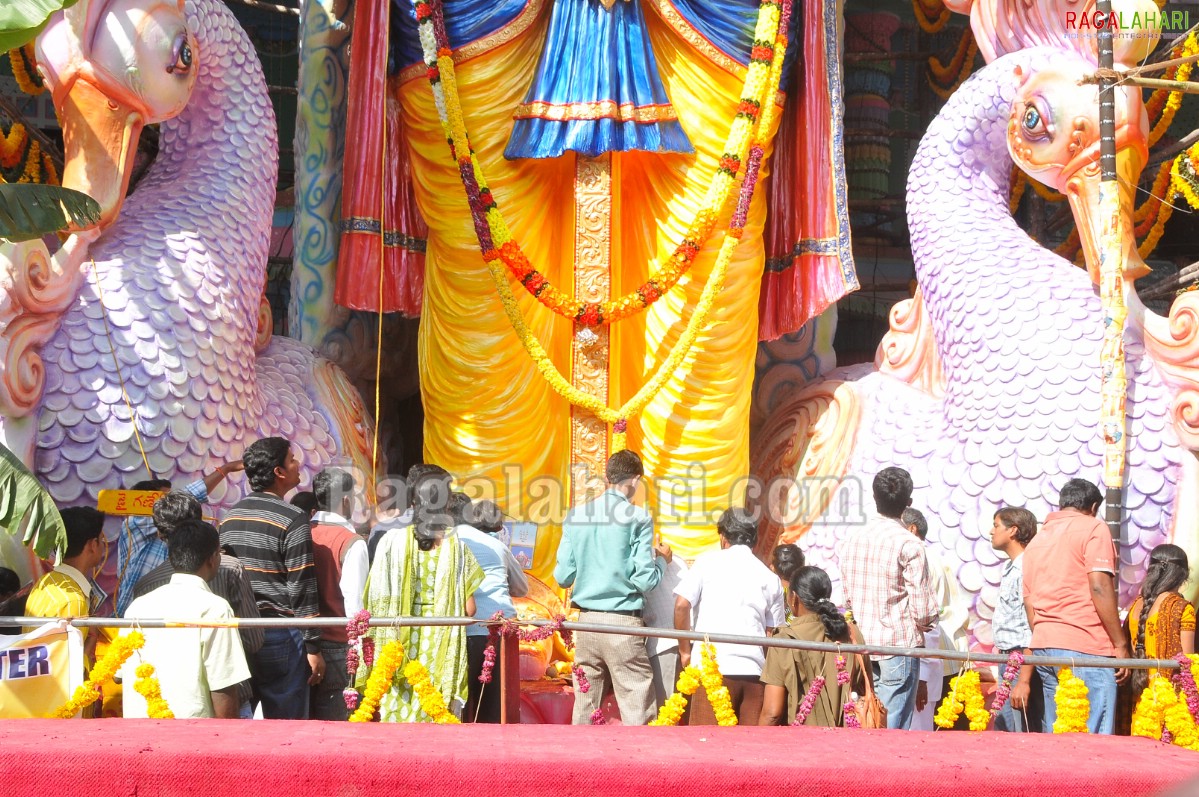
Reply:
x=1101, y=691
x=895, y=682
x=279, y=674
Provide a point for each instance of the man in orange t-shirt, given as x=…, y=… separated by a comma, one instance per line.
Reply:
x=1070, y=596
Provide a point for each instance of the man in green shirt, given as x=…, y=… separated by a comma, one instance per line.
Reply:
x=607, y=554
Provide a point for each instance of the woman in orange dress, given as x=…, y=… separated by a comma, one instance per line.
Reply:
x=1161, y=622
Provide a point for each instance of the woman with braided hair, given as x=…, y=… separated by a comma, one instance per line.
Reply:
x=1160, y=625
x=788, y=674
x=1161, y=622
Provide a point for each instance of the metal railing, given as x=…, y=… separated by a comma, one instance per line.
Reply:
x=598, y=628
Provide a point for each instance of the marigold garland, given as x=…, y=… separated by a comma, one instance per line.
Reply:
x=430, y=697
x=24, y=69
x=496, y=240
x=1073, y=708
x=718, y=693
x=965, y=694
x=1166, y=102
x=689, y=681
x=924, y=16
x=961, y=67
x=387, y=662
x=106, y=668
x=148, y=687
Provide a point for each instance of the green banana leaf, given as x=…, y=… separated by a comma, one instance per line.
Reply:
x=22, y=20
x=23, y=499
x=30, y=211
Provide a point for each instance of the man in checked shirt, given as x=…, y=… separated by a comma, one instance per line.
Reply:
x=888, y=588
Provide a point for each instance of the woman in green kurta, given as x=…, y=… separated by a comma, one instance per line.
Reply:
x=788, y=674
x=423, y=571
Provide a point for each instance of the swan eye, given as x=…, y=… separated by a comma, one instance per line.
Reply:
x=183, y=57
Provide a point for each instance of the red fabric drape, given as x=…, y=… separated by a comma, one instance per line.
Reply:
x=372, y=183
x=809, y=265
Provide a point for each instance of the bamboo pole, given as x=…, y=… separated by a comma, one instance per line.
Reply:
x=1111, y=291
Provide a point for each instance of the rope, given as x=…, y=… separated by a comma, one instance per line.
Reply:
x=382, y=262
x=137, y=435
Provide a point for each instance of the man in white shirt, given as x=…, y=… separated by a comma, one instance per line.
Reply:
x=476, y=524
x=659, y=613
x=198, y=669
x=340, y=556
x=949, y=633
x=730, y=591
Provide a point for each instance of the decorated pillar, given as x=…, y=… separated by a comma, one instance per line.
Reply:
x=319, y=146
x=590, y=353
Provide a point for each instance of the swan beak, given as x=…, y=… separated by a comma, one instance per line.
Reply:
x=100, y=138
x=1082, y=191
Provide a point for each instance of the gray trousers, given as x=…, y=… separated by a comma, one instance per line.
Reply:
x=620, y=661
x=666, y=671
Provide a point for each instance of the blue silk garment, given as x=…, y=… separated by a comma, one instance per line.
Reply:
x=597, y=87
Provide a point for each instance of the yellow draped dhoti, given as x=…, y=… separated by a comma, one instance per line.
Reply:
x=490, y=418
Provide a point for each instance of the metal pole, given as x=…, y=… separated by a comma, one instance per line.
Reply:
x=1111, y=290
x=596, y=628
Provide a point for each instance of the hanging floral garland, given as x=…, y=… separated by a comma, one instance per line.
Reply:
x=494, y=235
x=430, y=696
x=379, y=681
x=965, y=694
x=357, y=640
x=491, y=229
x=1073, y=708
x=925, y=13
x=1163, y=104
x=1010, y=673
x=690, y=679
x=945, y=79
x=809, y=701
x=676, y=705
x=148, y=687
x=105, y=670
x=24, y=69
x=718, y=693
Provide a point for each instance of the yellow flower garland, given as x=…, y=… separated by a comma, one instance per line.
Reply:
x=1073, y=709
x=430, y=697
x=690, y=679
x=965, y=695
x=924, y=16
x=23, y=63
x=106, y=668
x=451, y=115
x=674, y=707
x=1182, y=72
x=718, y=693
x=148, y=687
x=387, y=661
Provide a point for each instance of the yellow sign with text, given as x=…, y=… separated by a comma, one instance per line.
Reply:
x=39, y=671
x=128, y=502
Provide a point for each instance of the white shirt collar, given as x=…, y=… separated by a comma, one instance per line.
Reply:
x=76, y=576
x=333, y=519
x=190, y=580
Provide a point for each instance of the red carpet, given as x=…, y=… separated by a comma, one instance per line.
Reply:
x=310, y=759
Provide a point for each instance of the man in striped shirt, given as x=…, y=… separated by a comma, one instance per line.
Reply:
x=888, y=587
x=273, y=540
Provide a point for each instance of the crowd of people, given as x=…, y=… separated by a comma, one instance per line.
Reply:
x=442, y=557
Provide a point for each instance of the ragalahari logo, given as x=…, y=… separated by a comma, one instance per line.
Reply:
x=1135, y=22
